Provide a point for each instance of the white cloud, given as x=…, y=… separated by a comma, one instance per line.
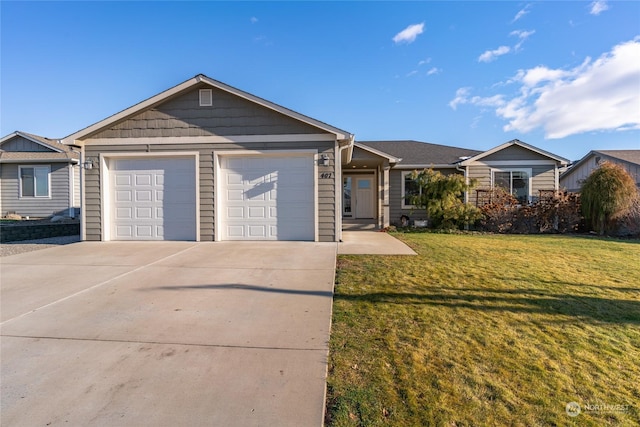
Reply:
x=462, y=97
x=491, y=55
x=424, y=61
x=600, y=95
x=523, y=36
x=433, y=71
x=253, y=19
x=521, y=13
x=409, y=34
x=412, y=73
x=598, y=6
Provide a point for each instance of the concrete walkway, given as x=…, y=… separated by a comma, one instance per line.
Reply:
x=166, y=334
x=367, y=242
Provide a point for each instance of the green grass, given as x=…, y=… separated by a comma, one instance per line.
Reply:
x=487, y=330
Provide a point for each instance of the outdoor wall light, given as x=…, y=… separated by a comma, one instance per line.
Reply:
x=325, y=160
x=88, y=164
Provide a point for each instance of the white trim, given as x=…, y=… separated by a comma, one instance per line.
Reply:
x=83, y=199
x=425, y=166
x=529, y=173
x=205, y=96
x=515, y=163
x=71, y=188
x=217, y=226
x=477, y=157
x=25, y=136
x=34, y=167
x=402, y=191
x=105, y=199
x=200, y=78
x=212, y=139
x=379, y=153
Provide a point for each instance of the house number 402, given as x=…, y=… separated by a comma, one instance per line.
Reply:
x=326, y=175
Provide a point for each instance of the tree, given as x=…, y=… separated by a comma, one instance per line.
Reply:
x=606, y=194
x=441, y=197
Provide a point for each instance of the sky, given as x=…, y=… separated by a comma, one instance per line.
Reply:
x=563, y=76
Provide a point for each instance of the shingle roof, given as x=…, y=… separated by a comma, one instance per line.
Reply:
x=28, y=156
x=47, y=142
x=631, y=156
x=421, y=153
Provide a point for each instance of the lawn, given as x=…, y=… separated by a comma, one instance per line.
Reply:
x=487, y=330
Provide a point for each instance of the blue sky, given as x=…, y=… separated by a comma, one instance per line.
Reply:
x=563, y=76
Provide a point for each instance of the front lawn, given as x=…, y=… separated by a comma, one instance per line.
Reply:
x=487, y=330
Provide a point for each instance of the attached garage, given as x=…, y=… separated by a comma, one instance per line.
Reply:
x=267, y=196
x=151, y=198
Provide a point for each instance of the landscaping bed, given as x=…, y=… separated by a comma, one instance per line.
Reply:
x=18, y=230
x=487, y=330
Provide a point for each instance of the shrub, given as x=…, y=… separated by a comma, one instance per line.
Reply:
x=607, y=194
x=441, y=198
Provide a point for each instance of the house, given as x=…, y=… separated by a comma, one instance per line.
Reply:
x=204, y=161
x=39, y=177
x=573, y=177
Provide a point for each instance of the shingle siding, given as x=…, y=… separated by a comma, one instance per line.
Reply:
x=38, y=207
x=229, y=115
x=514, y=153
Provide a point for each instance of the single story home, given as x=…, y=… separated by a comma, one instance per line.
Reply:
x=205, y=161
x=573, y=177
x=39, y=177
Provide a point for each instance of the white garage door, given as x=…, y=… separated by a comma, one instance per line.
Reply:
x=267, y=198
x=153, y=199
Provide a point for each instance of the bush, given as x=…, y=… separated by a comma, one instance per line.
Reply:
x=441, y=198
x=607, y=195
x=559, y=213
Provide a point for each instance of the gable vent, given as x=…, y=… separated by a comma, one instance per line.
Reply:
x=206, y=97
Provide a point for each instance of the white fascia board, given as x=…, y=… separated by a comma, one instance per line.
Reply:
x=514, y=163
x=425, y=166
x=24, y=161
x=213, y=139
x=25, y=136
x=391, y=158
x=76, y=137
x=477, y=157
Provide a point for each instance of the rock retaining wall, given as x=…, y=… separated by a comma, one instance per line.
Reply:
x=13, y=233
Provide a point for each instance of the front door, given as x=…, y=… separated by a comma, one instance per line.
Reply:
x=364, y=197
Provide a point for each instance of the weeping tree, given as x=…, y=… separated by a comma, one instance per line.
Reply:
x=606, y=194
x=440, y=196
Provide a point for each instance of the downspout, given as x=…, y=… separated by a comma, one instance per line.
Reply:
x=466, y=181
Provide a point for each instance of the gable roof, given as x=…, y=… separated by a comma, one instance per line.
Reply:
x=59, y=152
x=519, y=143
x=420, y=154
x=628, y=156
x=341, y=135
x=51, y=144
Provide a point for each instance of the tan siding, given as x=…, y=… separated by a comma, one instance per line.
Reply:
x=326, y=186
x=514, y=152
x=229, y=115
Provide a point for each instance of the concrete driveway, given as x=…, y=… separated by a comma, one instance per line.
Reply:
x=166, y=334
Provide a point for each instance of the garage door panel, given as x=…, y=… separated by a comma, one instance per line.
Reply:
x=259, y=200
x=154, y=199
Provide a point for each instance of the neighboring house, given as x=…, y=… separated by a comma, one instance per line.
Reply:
x=204, y=161
x=573, y=177
x=39, y=177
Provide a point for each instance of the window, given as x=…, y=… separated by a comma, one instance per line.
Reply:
x=409, y=188
x=34, y=181
x=515, y=182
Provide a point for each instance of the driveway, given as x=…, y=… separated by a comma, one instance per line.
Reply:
x=166, y=334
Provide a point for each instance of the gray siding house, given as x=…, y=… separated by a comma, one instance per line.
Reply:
x=573, y=177
x=39, y=177
x=204, y=161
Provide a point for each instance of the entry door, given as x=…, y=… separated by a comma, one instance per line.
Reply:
x=364, y=197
